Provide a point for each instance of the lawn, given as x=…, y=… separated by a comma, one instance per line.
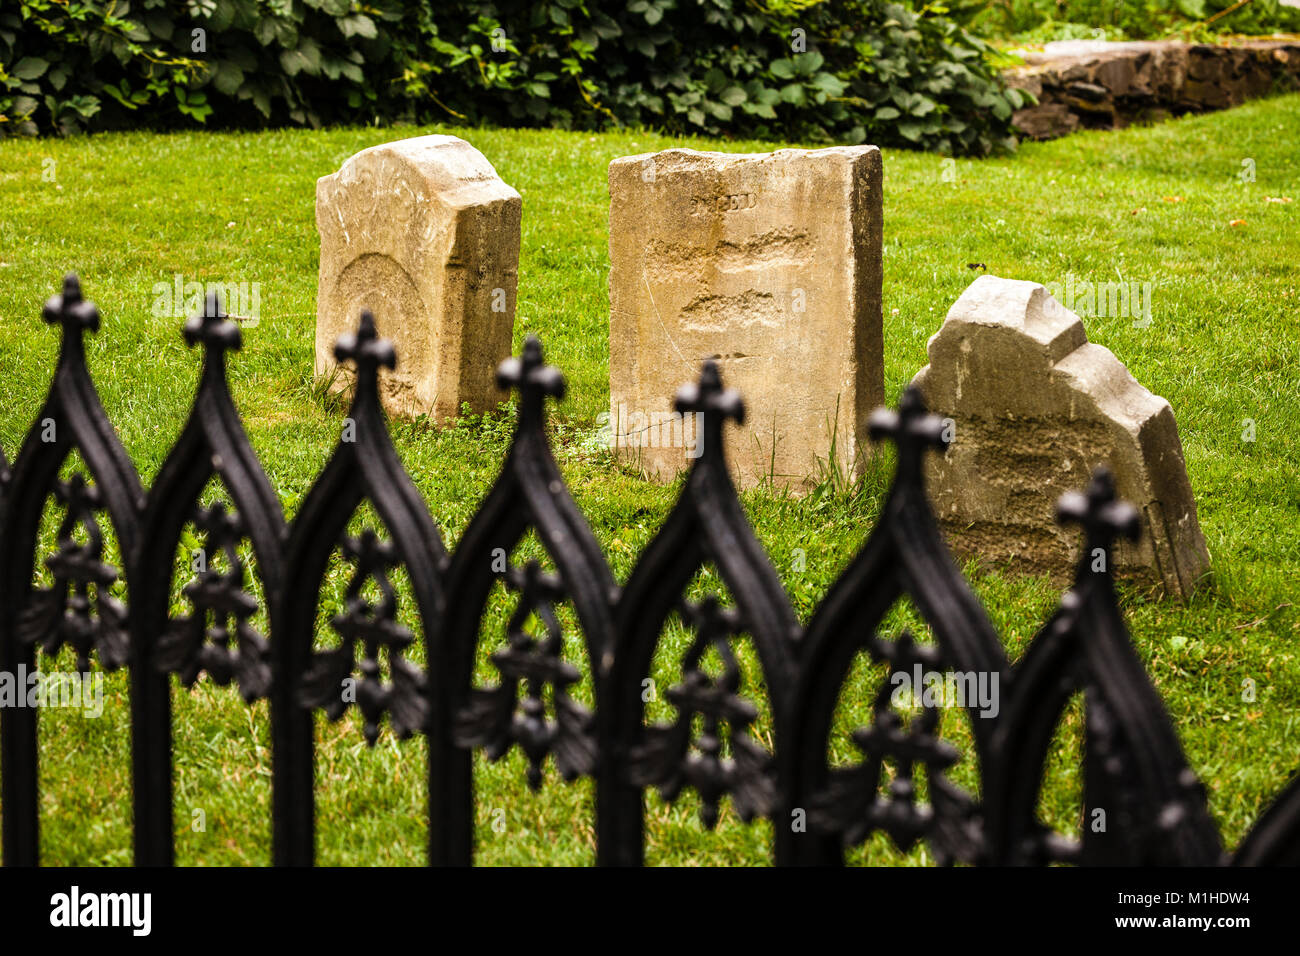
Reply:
x=1155, y=204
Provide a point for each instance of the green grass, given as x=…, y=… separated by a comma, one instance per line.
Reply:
x=1041, y=21
x=128, y=211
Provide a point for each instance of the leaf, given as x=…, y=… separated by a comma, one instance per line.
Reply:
x=122, y=96
x=485, y=720
x=733, y=96
x=782, y=69
x=321, y=684
x=222, y=17
x=265, y=31
x=719, y=111
x=180, y=642
x=922, y=105
x=228, y=78
x=292, y=62
x=358, y=25
x=30, y=68
x=305, y=59
x=262, y=101
x=606, y=28
x=160, y=25
x=809, y=63
x=828, y=83
x=244, y=57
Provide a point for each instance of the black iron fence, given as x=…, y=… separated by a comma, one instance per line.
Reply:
x=1133, y=766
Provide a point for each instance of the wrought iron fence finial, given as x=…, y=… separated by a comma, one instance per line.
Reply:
x=529, y=375
x=1102, y=516
x=912, y=429
x=534, y=380
x=367, y=351
x=366, y=348
x=708, y=395
x=212, y=327
x=714, y=405
x=70, y=309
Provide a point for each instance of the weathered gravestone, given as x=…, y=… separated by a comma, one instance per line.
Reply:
x=424, y=234
x=1035, y=408
x=767, y=263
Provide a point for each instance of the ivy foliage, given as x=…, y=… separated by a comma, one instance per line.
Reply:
x=834, y=71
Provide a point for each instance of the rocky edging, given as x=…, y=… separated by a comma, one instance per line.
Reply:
x=1101, y=85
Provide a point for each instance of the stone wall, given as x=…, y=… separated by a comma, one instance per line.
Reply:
x=1100, y=85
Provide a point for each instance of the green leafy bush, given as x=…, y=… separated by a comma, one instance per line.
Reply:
x=1039, y=20
x=67, y=65
x=817, y=70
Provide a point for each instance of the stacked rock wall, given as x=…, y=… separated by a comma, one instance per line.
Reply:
x=1100, y=85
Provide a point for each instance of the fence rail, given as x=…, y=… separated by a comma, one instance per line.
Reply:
x=1133, y=764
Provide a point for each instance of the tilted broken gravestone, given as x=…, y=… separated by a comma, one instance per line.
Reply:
x=424, y=234
x=1034, y=408
x=768, y=264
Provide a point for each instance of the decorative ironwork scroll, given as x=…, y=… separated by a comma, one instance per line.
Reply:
x=211, y=443
x=364, y=466
x=707, y=525
x=78, y=609
x=529, y=494
x=904, y=557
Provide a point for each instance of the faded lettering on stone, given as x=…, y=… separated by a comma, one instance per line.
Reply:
x=715, y=258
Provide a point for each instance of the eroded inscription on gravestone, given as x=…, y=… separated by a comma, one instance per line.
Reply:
x=1035, y=408
x=424, y=234
x=767, y=263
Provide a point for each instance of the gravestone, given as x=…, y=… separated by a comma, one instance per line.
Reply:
x=424, y=234
x=1035, y=408
x=769, y=264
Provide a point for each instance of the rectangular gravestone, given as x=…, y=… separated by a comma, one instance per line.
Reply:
x=768, y=263
x=423, y=233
